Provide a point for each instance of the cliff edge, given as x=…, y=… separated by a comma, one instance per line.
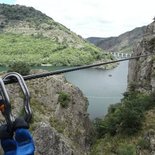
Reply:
x=60, y=124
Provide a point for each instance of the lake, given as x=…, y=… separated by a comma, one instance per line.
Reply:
x=101, y=87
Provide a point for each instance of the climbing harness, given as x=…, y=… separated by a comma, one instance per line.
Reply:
x=5, y=105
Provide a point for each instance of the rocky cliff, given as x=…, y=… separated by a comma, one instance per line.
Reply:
x=141, y=74
x=136, y=107
x=141, y=77
x=60, y=124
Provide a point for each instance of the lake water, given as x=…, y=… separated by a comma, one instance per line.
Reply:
x=101, y=87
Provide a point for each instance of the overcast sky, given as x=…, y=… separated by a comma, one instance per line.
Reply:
x=99, y=18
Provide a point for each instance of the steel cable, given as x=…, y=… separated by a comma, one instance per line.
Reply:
x=41, y=75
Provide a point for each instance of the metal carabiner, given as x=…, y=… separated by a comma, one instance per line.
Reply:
x=17, y=77
x=5, y=106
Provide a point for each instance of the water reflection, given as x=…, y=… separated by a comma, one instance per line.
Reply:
x=102, y=88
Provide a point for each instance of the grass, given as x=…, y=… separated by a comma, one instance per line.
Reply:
x=59, y=126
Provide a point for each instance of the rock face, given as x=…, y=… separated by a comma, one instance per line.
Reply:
x=141, y=77
x=47, y=137
x=141, y=74
x=60, y=124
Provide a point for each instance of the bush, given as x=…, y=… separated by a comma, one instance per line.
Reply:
x=20, y=67
x=100, y=127
x=125, y=117
x=113, y=107
x=152, y=44
x=132, y=86
x=64, y=99
x=126, y=149
x=131, y=120
x=144, y=144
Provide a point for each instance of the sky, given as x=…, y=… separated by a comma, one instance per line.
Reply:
x=95, y=18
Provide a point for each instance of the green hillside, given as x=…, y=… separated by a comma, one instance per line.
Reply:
x=29, y=35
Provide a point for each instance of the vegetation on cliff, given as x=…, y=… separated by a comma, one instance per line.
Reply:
x=21, y=67
x=123, y=127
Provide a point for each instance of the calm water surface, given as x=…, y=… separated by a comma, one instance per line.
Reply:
x=101, y=87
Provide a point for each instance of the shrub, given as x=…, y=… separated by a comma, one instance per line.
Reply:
x=131, y=120
x=132, y=86
x=152, y=44
x=144, y=144
x=100, y=127
x=57, y=125
x=113, y=107
x=22, y=68
x=126, y=149
x=64, y=99
x=125, y=117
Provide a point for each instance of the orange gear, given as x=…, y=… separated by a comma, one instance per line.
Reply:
x=2, y=107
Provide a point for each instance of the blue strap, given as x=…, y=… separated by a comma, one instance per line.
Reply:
x=22, y=145
x=24, y=142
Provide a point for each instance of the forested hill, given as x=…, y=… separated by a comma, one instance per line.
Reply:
x=29, y=35
x=123, y=43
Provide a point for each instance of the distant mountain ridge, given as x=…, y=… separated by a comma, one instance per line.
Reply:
x=95, y=40
x=29, y=35
x=123, y=43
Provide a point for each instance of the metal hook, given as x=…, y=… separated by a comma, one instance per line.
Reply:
x=20, y=80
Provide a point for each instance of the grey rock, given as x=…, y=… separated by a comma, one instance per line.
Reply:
x=48, y=141
x=142, y=71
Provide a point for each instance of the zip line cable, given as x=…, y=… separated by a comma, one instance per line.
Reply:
x=41, y=75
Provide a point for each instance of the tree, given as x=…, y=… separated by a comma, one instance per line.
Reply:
x=20, y=67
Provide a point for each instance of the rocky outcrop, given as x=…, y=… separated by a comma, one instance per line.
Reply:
x=148, y=145
x=141, y=75
x=60, y=124
x=47, y=137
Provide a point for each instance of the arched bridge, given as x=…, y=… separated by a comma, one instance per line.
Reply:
x=121, y=55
